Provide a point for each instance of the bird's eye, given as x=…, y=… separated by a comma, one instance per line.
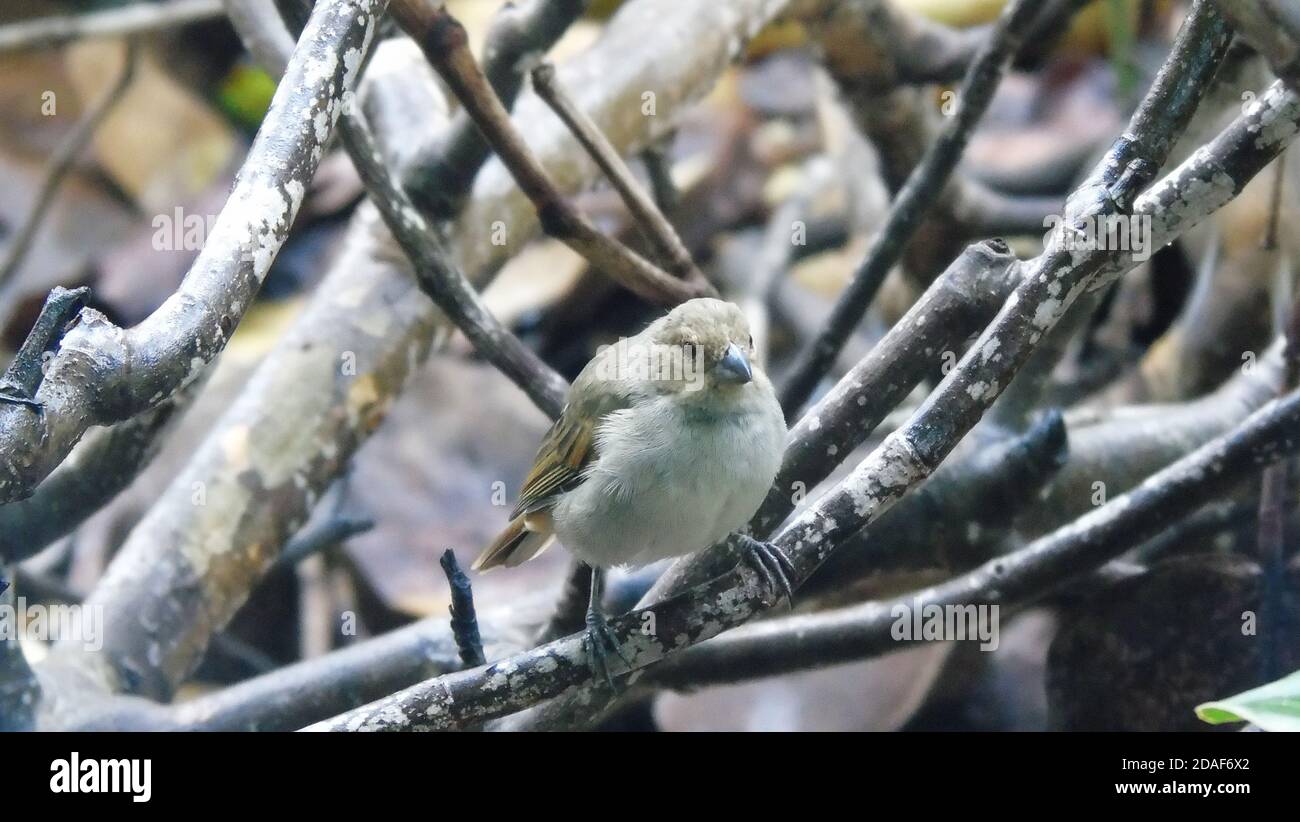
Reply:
x=751, y=340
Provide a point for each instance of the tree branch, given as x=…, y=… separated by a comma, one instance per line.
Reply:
x=176, y=581
x=911, y=205
x=103, y=374
x=644, y=211
x=902, y=461
x=440, y=176
x=444, y=283
x=1010, y=582
x=445, y=44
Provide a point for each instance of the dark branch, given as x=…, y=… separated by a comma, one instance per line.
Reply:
x=107, y=462
x=464, y=620
x=912, y=204
x=644, y=211
x=445, y=284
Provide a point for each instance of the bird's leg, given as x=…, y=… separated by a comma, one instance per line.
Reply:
x=772, y=565
x=600, y=640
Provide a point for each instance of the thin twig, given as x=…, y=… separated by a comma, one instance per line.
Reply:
x=644, y=211
x=62, y=162
x=657, y=159
x=136, y=18
x=441, y=175
x=445, y=44
x=1275, y=203
x=464, y=620
x=445, y=284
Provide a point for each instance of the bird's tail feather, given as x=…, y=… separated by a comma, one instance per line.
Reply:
x=525, y=537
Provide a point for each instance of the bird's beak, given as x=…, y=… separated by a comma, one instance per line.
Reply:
x=733, y=367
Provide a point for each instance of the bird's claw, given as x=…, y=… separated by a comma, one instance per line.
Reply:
x=772, y=565
x=599, y=642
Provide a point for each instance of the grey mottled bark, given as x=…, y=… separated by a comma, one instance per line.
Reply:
x=104, y=374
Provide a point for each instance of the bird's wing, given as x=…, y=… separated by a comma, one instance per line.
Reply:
x=570, y=445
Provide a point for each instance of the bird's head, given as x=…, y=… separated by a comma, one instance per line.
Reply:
x=703, y=344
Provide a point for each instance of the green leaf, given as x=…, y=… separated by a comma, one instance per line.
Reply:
x=246, y=94
x=1273, y=707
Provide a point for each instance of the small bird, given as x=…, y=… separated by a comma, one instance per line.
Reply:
x=668, y=442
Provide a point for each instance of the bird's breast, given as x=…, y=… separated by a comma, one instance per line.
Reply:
x=669, y=481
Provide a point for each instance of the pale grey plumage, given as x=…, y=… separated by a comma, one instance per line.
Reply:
x=654, y=455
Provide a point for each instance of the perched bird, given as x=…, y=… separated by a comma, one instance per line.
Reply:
x=668, y=442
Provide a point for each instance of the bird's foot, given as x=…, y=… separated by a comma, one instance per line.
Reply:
x=599, y=643
x=772, y=565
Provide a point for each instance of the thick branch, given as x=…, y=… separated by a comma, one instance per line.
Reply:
x=295, y=695
x=1012, y=581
